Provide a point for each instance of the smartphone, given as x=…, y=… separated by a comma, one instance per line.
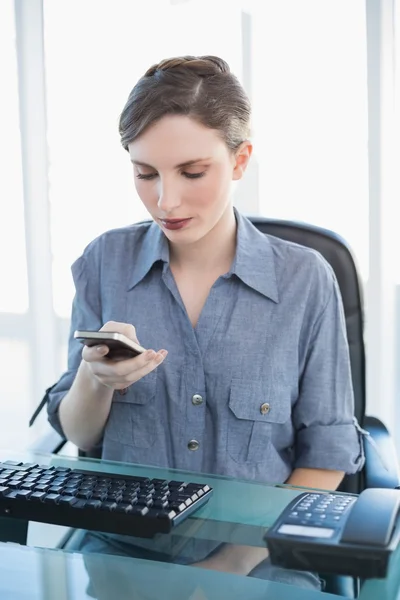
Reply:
x=119, y=346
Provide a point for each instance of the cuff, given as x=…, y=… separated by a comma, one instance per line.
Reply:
x=332, y=447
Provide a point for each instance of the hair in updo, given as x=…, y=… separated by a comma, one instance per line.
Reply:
x=200, y=87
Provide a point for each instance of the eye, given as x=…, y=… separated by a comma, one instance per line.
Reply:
x=193, y=175
x=147, y=176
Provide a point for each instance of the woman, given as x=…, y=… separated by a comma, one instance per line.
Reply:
x=252, y=379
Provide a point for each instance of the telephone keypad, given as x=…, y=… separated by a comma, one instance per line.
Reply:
x=321, y=509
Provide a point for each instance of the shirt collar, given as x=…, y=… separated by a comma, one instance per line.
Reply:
x=254, y=261
x=154, y=248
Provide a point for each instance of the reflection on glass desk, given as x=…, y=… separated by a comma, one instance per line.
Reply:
x=239, y=512
x=41, y=574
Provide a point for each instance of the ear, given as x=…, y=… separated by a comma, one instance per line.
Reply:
x=242, y=157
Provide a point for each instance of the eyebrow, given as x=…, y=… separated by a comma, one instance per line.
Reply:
x=187, y=163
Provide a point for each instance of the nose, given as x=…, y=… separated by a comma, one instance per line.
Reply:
x=168, y=197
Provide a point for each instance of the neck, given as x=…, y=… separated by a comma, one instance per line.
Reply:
x=215, y=251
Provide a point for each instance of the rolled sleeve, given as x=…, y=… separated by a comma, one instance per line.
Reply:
x=327, y=433
x=86, y=315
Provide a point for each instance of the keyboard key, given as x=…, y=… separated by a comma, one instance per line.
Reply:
x=159, y=481
x=123, y=507
x=23, y=494
x=99, y=496
x=55, y=489
x=52, y=498
x=140, y=511
x=114, y=497
x=28, y=486
x=71, y=491
x=41, y=487
x=60, y=481
x=84, y=494
x=29, y=466
x=145, y=496
x=93, y=504
x=108, y=505
x=144, y=501
x=31, y=479
x=177, y=506
x=181, y=499
x=4, y=490
x=68, y=501
x=160, y=503
x=38, y=496
x=11, y=494
x=15, y=485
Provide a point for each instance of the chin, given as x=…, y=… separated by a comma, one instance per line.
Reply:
x=184, y=238
x=181, y=240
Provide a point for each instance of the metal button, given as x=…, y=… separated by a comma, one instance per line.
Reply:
x=197, y=399
x=193, y=445
x=264, y=408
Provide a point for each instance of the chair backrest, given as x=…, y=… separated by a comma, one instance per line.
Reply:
x=338, y=254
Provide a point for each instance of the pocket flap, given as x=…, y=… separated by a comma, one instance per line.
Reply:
x=259, y=401
x=140, y=392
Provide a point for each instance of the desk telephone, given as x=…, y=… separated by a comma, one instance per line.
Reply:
x=337, y=533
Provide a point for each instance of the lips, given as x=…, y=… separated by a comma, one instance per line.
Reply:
x=174, y=223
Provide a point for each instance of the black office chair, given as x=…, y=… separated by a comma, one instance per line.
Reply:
x=381, y=464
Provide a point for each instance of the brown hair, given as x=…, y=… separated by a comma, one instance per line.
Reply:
x=201, y=87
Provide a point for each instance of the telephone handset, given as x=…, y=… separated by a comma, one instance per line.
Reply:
x=337, y=533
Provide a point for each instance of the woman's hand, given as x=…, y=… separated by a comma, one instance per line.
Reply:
x=120, y=374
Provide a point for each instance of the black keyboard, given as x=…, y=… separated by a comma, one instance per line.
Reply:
x=130, y=505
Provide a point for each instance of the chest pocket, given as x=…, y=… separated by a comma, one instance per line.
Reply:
x=132, y=418
x=256, y=409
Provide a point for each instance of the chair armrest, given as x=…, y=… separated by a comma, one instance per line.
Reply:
x=49, y=443
x=381, y=470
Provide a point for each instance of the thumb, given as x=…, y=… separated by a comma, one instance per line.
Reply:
x=93, y=353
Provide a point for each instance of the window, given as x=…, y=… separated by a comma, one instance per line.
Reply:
x=310, y=115
x=14, y=288
x=14, y=346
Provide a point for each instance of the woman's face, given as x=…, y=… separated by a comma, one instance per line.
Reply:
x=183, y=174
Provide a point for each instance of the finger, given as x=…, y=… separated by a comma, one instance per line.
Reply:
x=131, y=370
x=94, y=353
x=123, y=368
x=130, y=332
x=130, y=379
x=148, y=368
x=126, y=328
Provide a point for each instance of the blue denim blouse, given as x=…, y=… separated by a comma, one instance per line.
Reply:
x=261, y=385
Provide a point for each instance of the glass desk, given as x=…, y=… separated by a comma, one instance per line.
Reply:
x=239, y=513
